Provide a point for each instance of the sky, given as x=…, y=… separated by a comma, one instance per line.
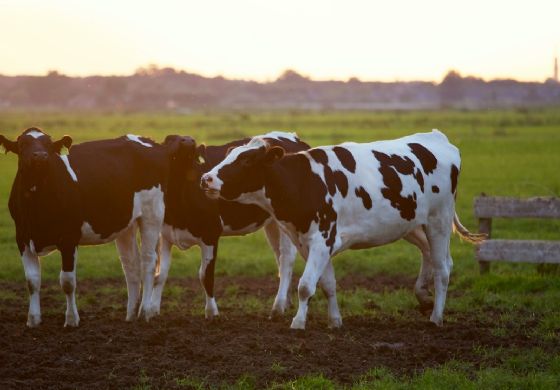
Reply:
x=259, y=39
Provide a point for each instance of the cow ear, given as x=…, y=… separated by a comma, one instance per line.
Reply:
x=273, y=154
x=9, y=146
x=65, y=141
x=201, y=153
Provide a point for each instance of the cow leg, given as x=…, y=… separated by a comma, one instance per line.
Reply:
x=32, y=268
x=439, y=235
x=285, y=253
x=68, y=284
x=130, y=261
x=206, y=276
x=150, y=224
x=316, y=262
x=418, y=238
x=149, y=236
x=328, y=285
x=161, y=275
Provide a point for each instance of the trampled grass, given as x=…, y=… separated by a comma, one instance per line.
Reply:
x=513, y=153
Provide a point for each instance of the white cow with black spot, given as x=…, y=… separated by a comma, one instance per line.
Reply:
x=352, y=196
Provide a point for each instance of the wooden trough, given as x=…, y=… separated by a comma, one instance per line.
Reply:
x=526, y=251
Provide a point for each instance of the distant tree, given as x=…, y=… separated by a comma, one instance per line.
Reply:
x=115, y=86
x=52, y=89
x=451, y=89
x=290, y=75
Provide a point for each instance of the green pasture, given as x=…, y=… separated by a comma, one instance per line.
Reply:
x=513, y=153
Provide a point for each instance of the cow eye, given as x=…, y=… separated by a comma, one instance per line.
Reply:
x=248, y=160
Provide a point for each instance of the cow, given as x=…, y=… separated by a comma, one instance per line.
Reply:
x=351, y=196
x=192, y=219
x=101, y=191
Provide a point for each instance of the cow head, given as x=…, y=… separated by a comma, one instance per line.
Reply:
x=184, y=154
x=242, y=171
x=34, y=148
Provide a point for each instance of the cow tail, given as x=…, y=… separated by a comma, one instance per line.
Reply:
x=465, y=234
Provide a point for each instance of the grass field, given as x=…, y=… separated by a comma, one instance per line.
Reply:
x=514, y=153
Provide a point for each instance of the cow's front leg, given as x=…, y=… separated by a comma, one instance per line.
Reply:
x=206, y=276
x=161, y=275
x=32, y=268
x=68, y=284
x=316, y=262
x=328, y=284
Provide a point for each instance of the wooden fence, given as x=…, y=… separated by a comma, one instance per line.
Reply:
x=526, y=251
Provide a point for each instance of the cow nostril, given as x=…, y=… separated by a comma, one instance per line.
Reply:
x=209, y=179
x=40, y=155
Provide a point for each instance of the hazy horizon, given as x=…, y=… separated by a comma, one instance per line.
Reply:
x=258, y=40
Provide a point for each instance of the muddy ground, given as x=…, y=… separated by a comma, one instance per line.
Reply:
x=107, y=352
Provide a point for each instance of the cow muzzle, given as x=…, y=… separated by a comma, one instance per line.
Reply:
x=39, y=157
x=210, y=186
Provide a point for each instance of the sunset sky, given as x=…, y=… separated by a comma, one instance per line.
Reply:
x=258, y=39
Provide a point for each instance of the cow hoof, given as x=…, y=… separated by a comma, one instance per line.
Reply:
x=279, y=307
x=335, y=323
x=277, y=312
x=71, y=322
x=275, y=315
x=33, y=321
x=297, y=324
x=147, y=313
x=211, y=309
x=156, y=310
x=436, y=321
x=211, y=315
x=130, y=317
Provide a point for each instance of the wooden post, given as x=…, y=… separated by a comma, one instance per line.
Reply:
x=484, y=226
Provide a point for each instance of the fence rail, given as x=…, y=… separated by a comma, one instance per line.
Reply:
x=525, y=251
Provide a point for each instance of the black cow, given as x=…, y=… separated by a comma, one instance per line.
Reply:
x=193, y=219
x=101, y=191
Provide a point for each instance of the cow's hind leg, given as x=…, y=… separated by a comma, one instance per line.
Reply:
x=206, y=276
x=328, y=284
x=130, y=261
x=285, y=253
x=418, y=238
x=316, y=262
x=439, y=233
x=162, y=272
x=32, y=268
x=68, y=284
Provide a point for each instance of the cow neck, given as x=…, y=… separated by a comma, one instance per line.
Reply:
x=182, y=186
x=282, y=190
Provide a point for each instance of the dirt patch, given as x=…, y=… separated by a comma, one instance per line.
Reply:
x=107, y=352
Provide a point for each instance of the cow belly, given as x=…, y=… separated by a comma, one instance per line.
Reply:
x=140, y=200
x=228, y=231
x=90, y=237
x=182, y=238
x=371, y=233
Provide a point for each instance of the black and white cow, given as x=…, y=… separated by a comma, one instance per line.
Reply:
x=192, y=219
x=101, y=191
x=352, y=196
